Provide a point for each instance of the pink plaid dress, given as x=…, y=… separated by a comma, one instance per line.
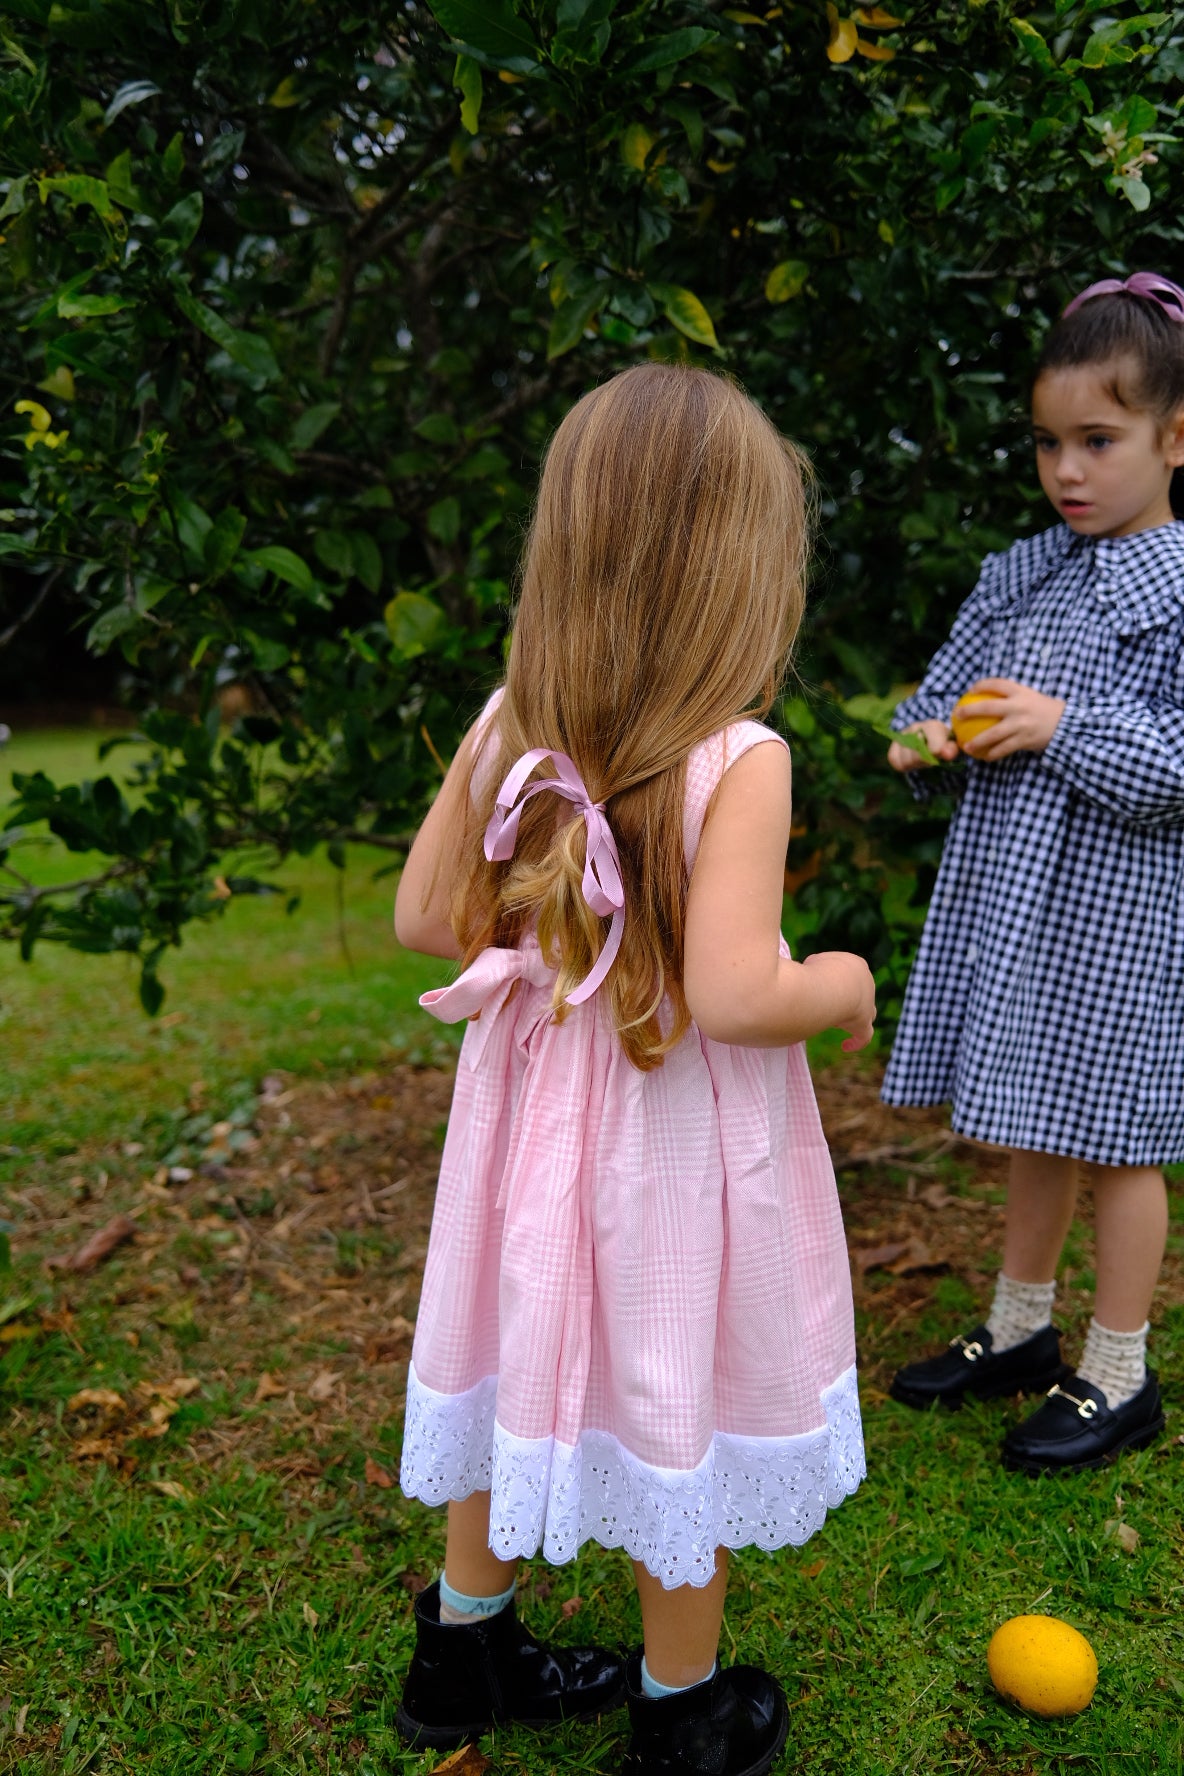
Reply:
x=636, y=1322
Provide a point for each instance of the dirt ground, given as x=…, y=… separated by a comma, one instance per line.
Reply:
x=290, y=1269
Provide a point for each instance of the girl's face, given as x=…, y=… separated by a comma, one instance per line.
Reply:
x=1106, y=468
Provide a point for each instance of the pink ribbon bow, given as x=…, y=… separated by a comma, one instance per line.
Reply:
x=602, y=886
x=1168, y=295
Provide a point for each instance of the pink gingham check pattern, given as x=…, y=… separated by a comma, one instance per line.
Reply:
x=637, y=1284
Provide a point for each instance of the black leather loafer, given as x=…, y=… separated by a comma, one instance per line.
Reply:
x=1075, y=1429
x=464, y=1679
x=734, y=1724
x=970, y=1366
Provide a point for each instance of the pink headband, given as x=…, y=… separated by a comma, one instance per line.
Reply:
x=603, y=889
x=1169, y=296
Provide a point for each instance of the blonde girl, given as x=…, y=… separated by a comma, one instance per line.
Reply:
x=636, y=1320
x=1047, y=999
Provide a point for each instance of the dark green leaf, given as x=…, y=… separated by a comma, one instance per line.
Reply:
x=222, y=541
x=312, y=422
x=572, y=317
x=414, y=623
x=489, y=26
x=151, y=992
x=283, y=564
x=444, y=519
x=661, y=52
x=182, y=222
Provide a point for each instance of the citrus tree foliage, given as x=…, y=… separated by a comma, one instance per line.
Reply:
x=294, y=294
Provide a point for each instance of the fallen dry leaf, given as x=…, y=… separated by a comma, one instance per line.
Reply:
x=269, y=1387
x=173, y=1489
x=383, y=1350
x=1124, y=1534
x=376, y=1475
x=936, y=1197
x=917, y=1257
x=295, y=1466
x=572, y=1607
x=468, y=1761
x=181, y=1387
x=876, y=1257
x=98, y=1449
x=100, y=1245
x=95, y=1397
x=309, y=1614
x=322, y=1384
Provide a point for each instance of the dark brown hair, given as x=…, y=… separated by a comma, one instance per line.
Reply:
x=1140, y=346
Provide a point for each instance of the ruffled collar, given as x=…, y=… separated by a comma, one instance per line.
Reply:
x=1139, y=579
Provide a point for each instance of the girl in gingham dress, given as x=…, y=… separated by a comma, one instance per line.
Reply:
x=1047, y=1000
x=636, y=1322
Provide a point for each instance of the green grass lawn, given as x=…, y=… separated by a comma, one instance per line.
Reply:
x=255, y=990
x=224, y=1605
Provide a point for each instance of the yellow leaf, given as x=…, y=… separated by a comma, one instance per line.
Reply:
x=309, y=1614
x=721, y=166
x=510, y=79
x=636, y=143
x=875, y=52
x=886, y=233
x=786, y=280
x=39, y=417
x=684, y=309
x=877, y=18
x=285, y=94
x=60, y=383
x=843, y=35
x=742, y=18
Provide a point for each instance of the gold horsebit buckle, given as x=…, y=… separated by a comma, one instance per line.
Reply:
x=972, y=1350
x=1085, y=1408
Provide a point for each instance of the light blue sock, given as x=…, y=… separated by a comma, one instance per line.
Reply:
x=653, y=1689
x=456, y=1608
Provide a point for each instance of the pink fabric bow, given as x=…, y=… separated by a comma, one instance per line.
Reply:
x=1168, y=295
x=602, y=885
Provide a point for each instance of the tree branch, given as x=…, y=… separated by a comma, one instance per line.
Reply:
x=26, y=616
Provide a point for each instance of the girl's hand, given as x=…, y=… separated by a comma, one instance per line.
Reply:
x=853, y=983
x=1027, y=718
x=939, y=740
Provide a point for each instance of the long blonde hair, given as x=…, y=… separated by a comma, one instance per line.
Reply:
x=661, y=591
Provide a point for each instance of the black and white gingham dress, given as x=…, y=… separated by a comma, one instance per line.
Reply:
x=1047, y=999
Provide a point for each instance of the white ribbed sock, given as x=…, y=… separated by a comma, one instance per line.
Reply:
x=1018, y=1310
x=1116, y=1362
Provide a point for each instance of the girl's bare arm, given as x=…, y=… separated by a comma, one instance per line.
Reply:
x=422, y=901
x=739, y=989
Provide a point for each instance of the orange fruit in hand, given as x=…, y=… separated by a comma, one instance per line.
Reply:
x=967, y=726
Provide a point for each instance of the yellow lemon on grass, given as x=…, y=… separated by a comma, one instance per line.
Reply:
x=967, y=726
x=1043, y=1664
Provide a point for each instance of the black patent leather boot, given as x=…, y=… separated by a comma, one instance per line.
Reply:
x=734, y=1724
x=464, y=1679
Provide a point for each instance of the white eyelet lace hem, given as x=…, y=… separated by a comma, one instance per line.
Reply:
x=765, y=1492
